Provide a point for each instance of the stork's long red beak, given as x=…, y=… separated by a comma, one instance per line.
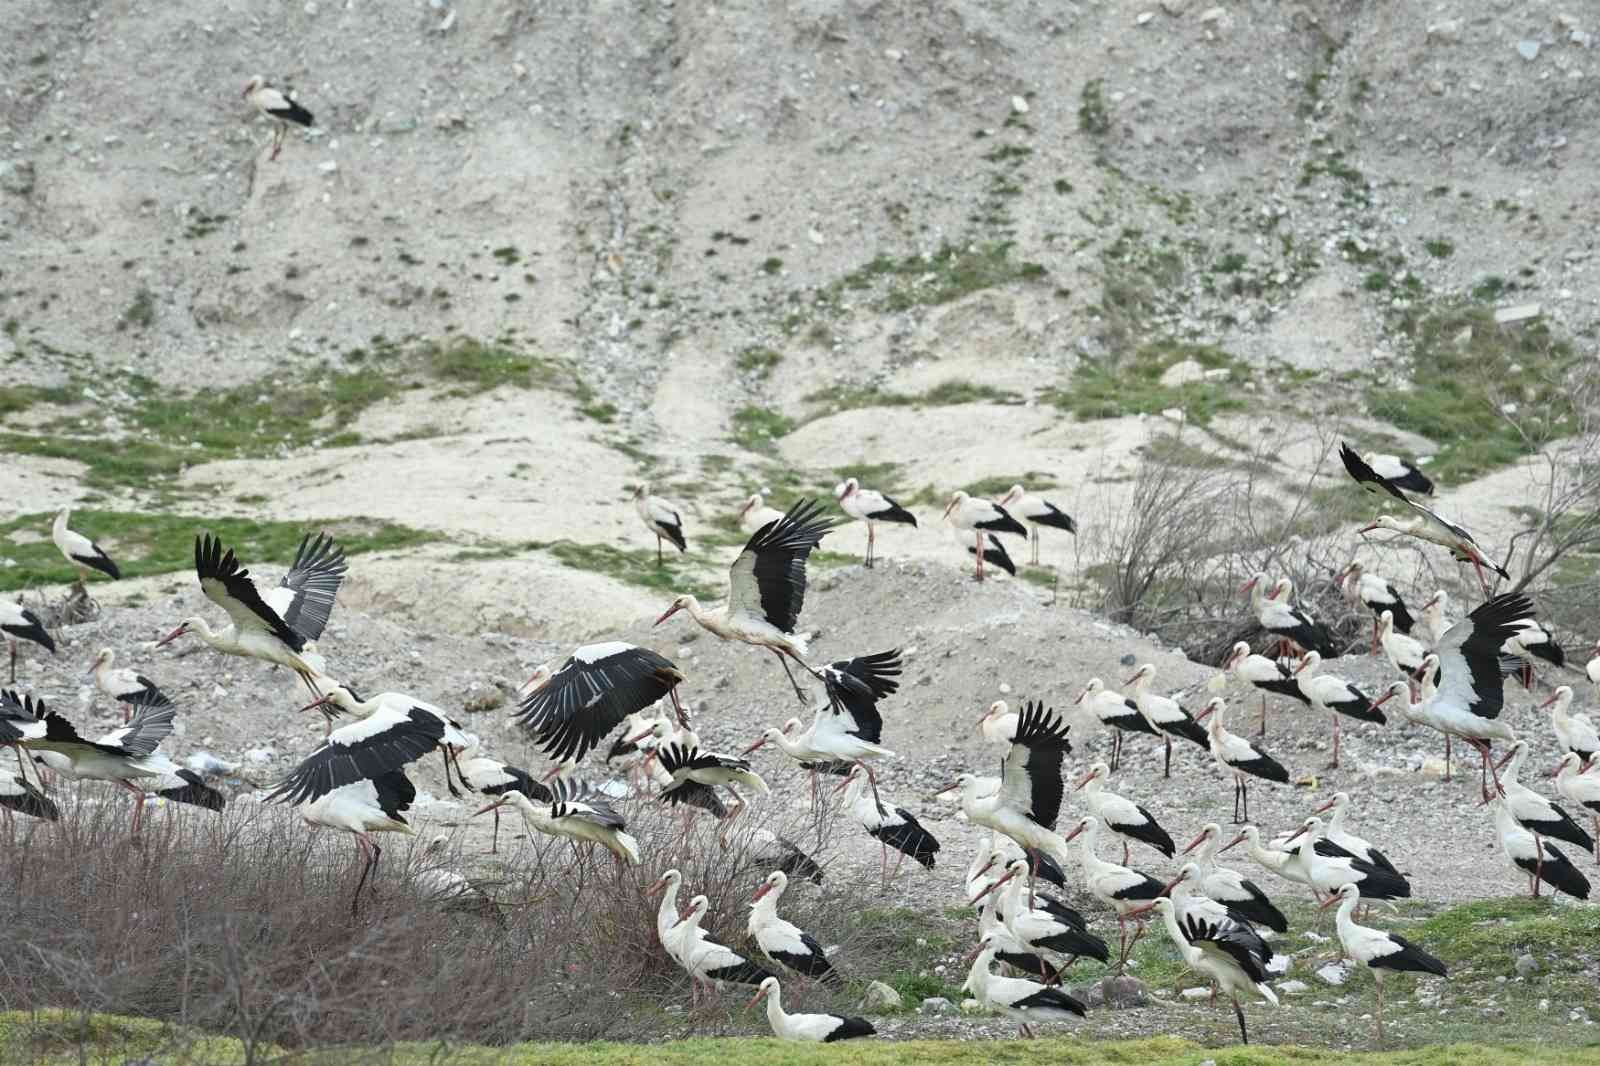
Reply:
x=1086, y=779
x=668, y=613
x=992, y=886
x=766, y=886
x=1325, y=807
x=1073, y=835
x=1195, y=843
x=951, y=506
x=320, y=701
x=752, y=749
x=1381, y=700
x=485, y=810
x=1248, y=585
x=653, y=890
x=174, y=635
x=1368, y=528
x=1542, y=706
x=760, y=993
x=952, y=786
x=1330, y=901
x=1231, y=844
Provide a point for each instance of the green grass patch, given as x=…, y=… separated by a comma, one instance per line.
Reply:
x=1113, y=387
x=835, y=398
x=1461, y=386
x=758, y=429
x=998, y=485
x=14, y=399
x=157, y=543
x=1093, y=116
x=1439, y=247
x=941, y=277
x=631, y=566
x=758, y=361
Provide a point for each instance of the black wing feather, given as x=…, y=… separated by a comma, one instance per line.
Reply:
x=584, y=701
x=780, y=550
x=336, y=763
x=34, y=631
x=210, y=562
x=1044, y=735
x=30, y=801
x=194, y=791
x=1493, y=623
x=996, y=555
x=315, y=577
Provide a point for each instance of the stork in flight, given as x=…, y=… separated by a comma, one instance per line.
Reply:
x=767, y=589
x=277, y=106
x=123, y=756
x=19, y=623
x=574, y=708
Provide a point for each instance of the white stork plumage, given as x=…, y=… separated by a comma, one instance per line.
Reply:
x=1116, y=712
x=689, y=764
x=784, y=942
x=1190, y=900
x=1024, y=1001
x=1539, y=859
x=1122, y=816
x=670, y=929
x=20, y=719
x=1379, y=950
x=1052, y=927
x=1294, y=628
x=1121, y=888
x=491, y=777
x=1324, y=872
x=361, y=808
x=893, y=827
x=1269, y=859
x=968, y=514
x=999, y=723
x=576, y=811
x=281, y=627
x=1228, y=887
x=1165, y=714
x=1582, y=790
x=660, y=518
x=1028, y=803
x=1424, y=523
x=1377, y=594
x=572, y=709
x=871, y=507
x=766, y=589
x=1337, y=840
x=810, y=1028
x=709, y=962
x=338, y=694
x=755, y=513
x=1538, y=815
x=1265, y=675
x=19, y=623
x=1433, y=619
x=79, y=550
x=389, y=738
x=121, y=757
x=1336, y=696
x=277, y=106
x=1222, y=951
x=1037, y=512
x=128, y=687
x=1238, y=756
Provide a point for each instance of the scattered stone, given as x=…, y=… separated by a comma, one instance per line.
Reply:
x=880, y=997
x=487, y=700
x=1143, y=17
x=1334, y=973
x=1173, y=414
x=1019, y=105
x=1174, y=7
x=1515, y=313
x=1526, y=965
x=1182, y=373
x=1293, y=988
x=1528, y=49
x=1122, y=993
x=448, y=21
x=16, y=176
x=894, y=55
x=1213, y=15
x=1196, y=993
x=1446, y=32
x=328, y=166
x=937, y=1005
x=258, y=756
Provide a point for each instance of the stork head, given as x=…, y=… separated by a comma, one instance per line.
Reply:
x=1142, y=675
x=1099, y=771
x=538, y=679
x=1386, y=623
x=961, y=782
x=186, y=626
x=1310, y=662
x=776, y=881
x=670, y=877
x=769, y=735
x=1082, y=827
x=253, y=84
x=1162, y=905
x=987, y=945
x=1013, y=494
x=1345, y=891
x=849, y=487
x=1397, y=688
x=641, y=490
x=996, y=709
x=1240, y=652
x=1339, y=799
x=1570, y=762
x=769, y=987
x=1094, y=686
x=1213, y=710
x=102, y=659
x=1013, y=869
x=957, y=498
x=1209, y=831
x=1258, y=578
x=749, y=505
x=1560, y=700
x=682, y=603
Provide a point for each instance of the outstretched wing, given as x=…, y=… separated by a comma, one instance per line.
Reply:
x=304, y=598
x=364, y=750
x=1469, y=655
x=576, y=799
x=1030, y=774
x=149, y=727
x=768, y=580
x=596, y=688
x=228, y=585
x=854, y=687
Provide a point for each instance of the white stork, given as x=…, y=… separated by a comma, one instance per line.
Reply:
x=1324, y=872
x=870, y=507
x=1122, y=816
x=278, y=107
x=1010, y=949
x=1531, y=641
x=1539, y=859
x=1591, y=669
x=670, y=929
x=1377, y=594
x=1335, y=695
x=765, y=849
x=812, y=1028
x=1432, y=617
x=1424, y=524
x=1227, y=887
x=1222, y=951
x=997, y=851
x=683, y=758
x=1269, y=859
x=1164, y=714
x=1191, y=901
x=766, y=589
x=281, y=627
x=1535, y=813
x=1337, y=840
x=578, y=812
x=122, y=756
x=574, y=708
x=1238, y=756
x=359, y=754
x=893, y=827
x=1052, y=927
x=1266, y=675
x=709, y=962
x=1378, y=949
x=362, y=807
x=20, y=720
x=783, y=942
x=491, y=777
x=660, y=518
x=1116, y=712
x=999, y=723
x=1036, y=511
x=128, y=687
x=19, y=623
x=1293, y=627
x=978, y=517
x=17, y=795
x=1028, y=803
x=79, y=550
x=1471, y=688
x=1122, y=889
x=755, y=514
x=452, y=739
x=1582, y=789
x=1023, y=1001
x=995, y=555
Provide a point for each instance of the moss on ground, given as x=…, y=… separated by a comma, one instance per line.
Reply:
x=1131, y=384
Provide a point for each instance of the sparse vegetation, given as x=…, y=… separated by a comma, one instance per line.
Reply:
x=1439, y=247
x=758, y=361
x=141, y=314
x=945, y=394
x=758, y=428
x=1112, y=387
x=1093, y=118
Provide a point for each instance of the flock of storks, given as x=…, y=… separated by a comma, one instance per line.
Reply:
x=1453, y=681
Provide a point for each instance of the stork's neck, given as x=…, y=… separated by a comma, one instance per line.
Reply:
x=1169, y=917
x=790, y=747
x=667, y=913
x=765, y=909
x=59, y=526
x=1336, y=821
x=1508, y=775
x=1346, y=917
x=1091, y=841
x=775, y=1013
x=978, y=976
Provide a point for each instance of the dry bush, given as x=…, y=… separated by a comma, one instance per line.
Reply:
x=240, y=924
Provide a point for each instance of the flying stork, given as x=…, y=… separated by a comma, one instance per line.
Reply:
x=574, y=708
x=389, y=738
x=1239, y=757
x=815, y=1028
x=1378, y=949
x=687, y=763
x=281, y=627
x=19, y=623
x=1036, y=511
x=971, y=515
x=660, y=518
x=767, y=589
x=1266, y=675
x=1165, y=714
x=128, y=687
x=277, y=106
x=870, y=507
x=16, y=794
x=123, y=756
x=79, y=550
x=1222, y=951
x=340, y=695
x=576, y=811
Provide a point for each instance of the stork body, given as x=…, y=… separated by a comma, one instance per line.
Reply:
x=361, y=808
x=893, y=827
x=19, y=623
x=977, y=517
x=1116, y=712
x=1165, y=714
x=577, y=812
x=808, y=1028
x=1334, y=695
x=1265, y=675
x=1223, y=952
x=1023, y=1001
x=1038, y=513
x=1121, y=815
x=660, y=518
x=870, y=507
x=79, y=550
x=1377, y=594
x=1582, y=790
x=1227, y=887
x=1574, y=732
x=784, y=942
x=1122, y=889
x=128, y=687
x=1239, y=757
x=1541, y=860
x=277, y=106
x=1380, y=950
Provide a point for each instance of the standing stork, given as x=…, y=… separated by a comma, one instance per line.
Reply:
x=870, y=507
x=1018, y=998
x=491, y=777
x=1379, y=950
x=574, y=708
x=894, y=827
x=995, y=555
x=1028, y=803
x=1544, y=819
x=1539, y=859
x=784, y=942
x=278, y=107
x=709, y=962
x=755, y=513
x=1121, y=815
x=1582, y=789
x=578, y=812
x=1036, y=511
x=19, y=623
x=1266, y=675
x=1294, y=628
x=1325, y=869
x=767, y=589
x=362, y=807
x=971, y=515
x=1052, y=927
x=1334, y=695
x=1225, y=951
x=1121, y=888
x=1337, y=840
x=80, y=551
x=813, y=1028
x=122, y=756
x=660, y=518
x=281, y=627
x=1404, y=653
x=1377, y=594
x=1432, y=617
x=1116, y=712
x=1228, y=887
x=128, y=687
x=1165, y=714
x=1239, y=757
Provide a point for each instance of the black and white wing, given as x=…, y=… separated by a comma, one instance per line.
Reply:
x=229, y=586
x=596, y=688
x=141, y=736
x=1402, y=473
x=1030, y=773
x=1365, y=476
x=21, y=717
x=577, y=800
x=186, y=786
x=995, y=554
x=304, y=598
x=18, y=795
x=768, y=580
x=1469, y=655
x=364, y=750
x=854, y=687
x=1233, y=939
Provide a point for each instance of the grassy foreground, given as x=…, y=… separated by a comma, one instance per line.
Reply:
x=56, y=1038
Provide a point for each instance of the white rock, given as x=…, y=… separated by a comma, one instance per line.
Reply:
x=1293, y=988
x=1143, y=17
x=1019, y=105
x=815, y=236
x=259, y=755
x=1515, y=313
x=1448, y=31
x=893, y=54
x=448, y=21
x=1334, y=973
x=879, y=997
x=328, y=166
x=1196, y=993
x=1528, y=49
x=1213, y=14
